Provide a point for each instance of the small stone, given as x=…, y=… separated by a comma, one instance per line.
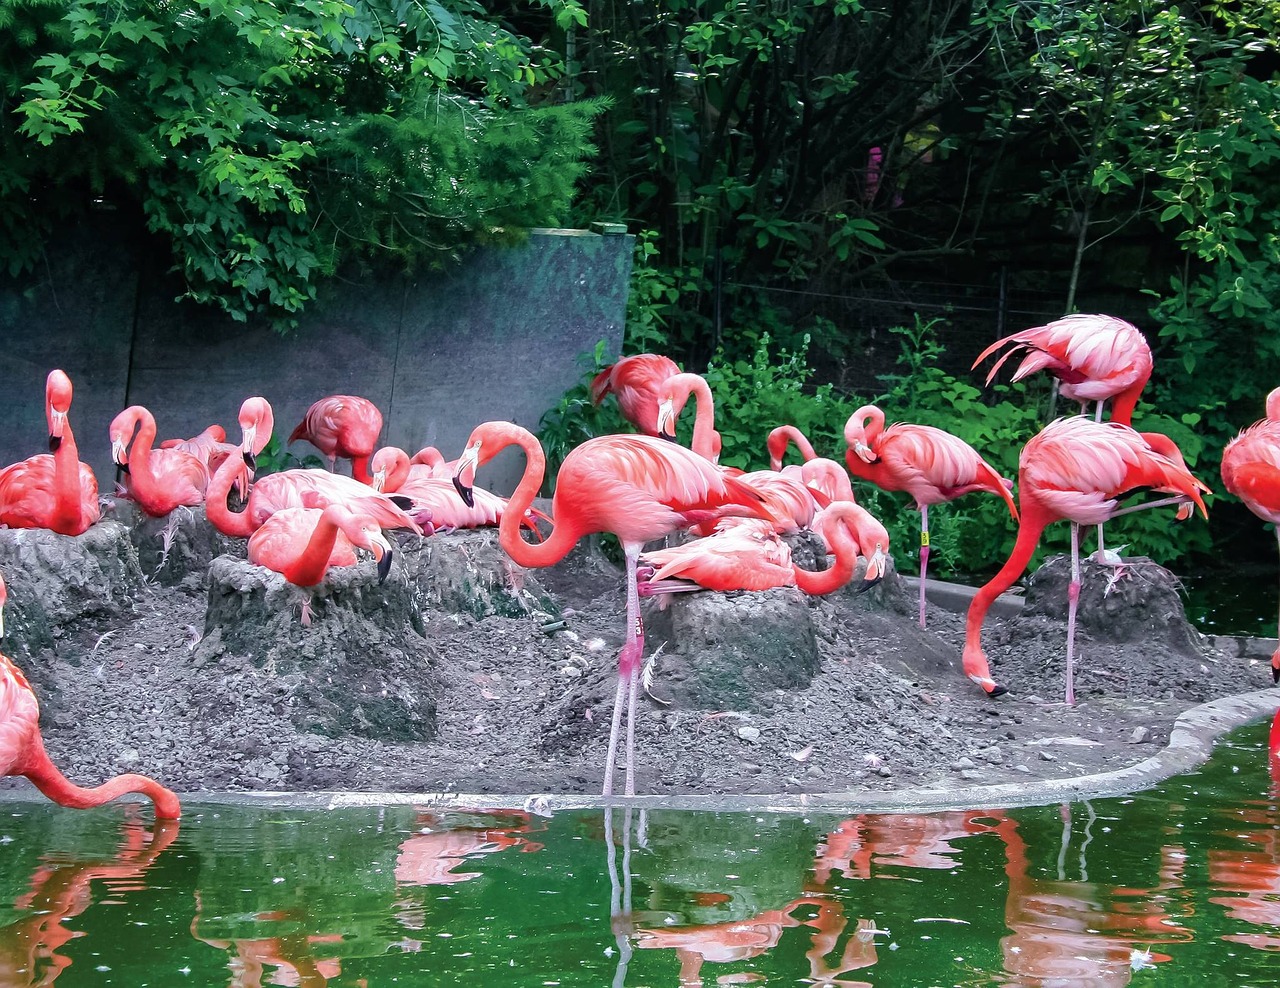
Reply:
x=1048, y=756
x=751, y=768
x=815, y=771
x=1021, y=768
x=884, y=771
x=970, y=774
x=992, y=754
x=963, y=764
x=1139, y=735
x=751, y=734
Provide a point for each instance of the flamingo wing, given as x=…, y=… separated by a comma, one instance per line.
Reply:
x=935, y=466
x=19, y=716
x=1251, y=469
x=281, y=539
x=636, y=382
x=745, y=556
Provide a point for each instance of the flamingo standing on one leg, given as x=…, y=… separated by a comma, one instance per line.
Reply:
x=637, y=487
x=931, y=465
x=342, y=425
x=1075, y=470
x=159, y=479
x=747, y=554
x=57, y=491
x=635, y=381
x=1251, y=471
x=22, y=750
x=1095, y=357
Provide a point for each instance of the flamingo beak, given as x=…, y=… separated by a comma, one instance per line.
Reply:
x=246, y=445
x=119, y=455
x=1, y=620
x=876, y=568
x=379, y=480
x=381, y=549
x=57, y=424
x=865, y=453
x=666, y=420
x=467, y=464
x=249, y=459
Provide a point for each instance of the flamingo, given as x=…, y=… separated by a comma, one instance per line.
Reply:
x=56, y=491
x=931, y=465
x=637, y=487
x=159, y=479
x=302, y=543
x=1251, y=471
x=673, y=395
x=342, y=425
x=1076, y=470
x=22, y=749
x=210, y=447
x=635, y=380
x=431, y=457
x=816, y=471
x=1095, y=357
x=747, y=554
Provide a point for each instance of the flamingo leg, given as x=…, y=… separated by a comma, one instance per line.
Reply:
x=924, y=555
x=1275, y=658
x=1073, y=599
x=611, y=759
x=1101, y=555
x=628, y=678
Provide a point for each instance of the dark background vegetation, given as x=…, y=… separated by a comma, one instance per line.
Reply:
x=835, y=201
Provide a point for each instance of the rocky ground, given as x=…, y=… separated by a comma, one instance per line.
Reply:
x=465, y=673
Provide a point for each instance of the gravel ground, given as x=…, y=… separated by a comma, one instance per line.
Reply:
x=463, y=673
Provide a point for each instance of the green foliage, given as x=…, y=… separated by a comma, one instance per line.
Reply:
x=575, y=418
x=276, y=457
x=271, y=142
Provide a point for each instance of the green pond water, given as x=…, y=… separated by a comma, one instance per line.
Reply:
x=1176, y=885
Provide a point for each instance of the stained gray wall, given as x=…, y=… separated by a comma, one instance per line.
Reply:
x=495, y=338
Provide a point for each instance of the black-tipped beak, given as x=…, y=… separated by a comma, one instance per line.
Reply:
x=402, y=502
x=54, y=443
x=250, y=460
x=998, y=690
x=123, y=467
x=464, y=492
x=866, y=585
x=667, y=436
x=1275, y=674
x=384, y=566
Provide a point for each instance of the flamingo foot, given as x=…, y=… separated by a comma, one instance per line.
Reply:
x=305, y=617
x=990, y=686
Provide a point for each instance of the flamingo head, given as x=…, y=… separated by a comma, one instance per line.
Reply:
x=864, y=452
x=464, y=476
x=256, y=422
x=667, y=419
x=877, y=566
x=57, y=400
x=389, y=468
x=365, y=532
x=123, y=427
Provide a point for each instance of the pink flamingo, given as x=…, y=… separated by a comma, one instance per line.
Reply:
x=302, y=543
x=747, y=554
x=1075, y=470
x=57, y=491
x=931, y=465
x=816, y=471
x=1251, y=471
x=635, y=380
x=432, y=458
x=159, y=479
x=22, y=750
x=342, y=425
x=1096, y=357
x=673, y=395
x=210, y=447
x=637, y=487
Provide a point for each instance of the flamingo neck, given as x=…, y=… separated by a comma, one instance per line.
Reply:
x=46, y=777
x=310, y=567
x=226, y=521
x=1123, y=404
x=563, y=536
x=1029, y=530
x=704, y=420
x=141, y=478
x=780, y=438
x=66, y=485
x=834, y=577
x=360, y=469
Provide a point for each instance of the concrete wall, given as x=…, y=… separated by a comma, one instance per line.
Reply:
x=496, y=338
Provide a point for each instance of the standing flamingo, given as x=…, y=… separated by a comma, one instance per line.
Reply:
x=1075, y=470
x=747, y=554
x=1251, y=471
x=159, y=479
x=635, y=380
x=931, y=465
x=637, y=487
x=673, y=395
x=1096, y=357
x=342, y=425
x=22, y=749
x=57, y=491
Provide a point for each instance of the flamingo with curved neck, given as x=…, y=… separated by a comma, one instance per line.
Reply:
x=782, y=437
x=159, y=479
x=672, y=397
x=302, y=543
x=22, y=749
x=1074, y=470
x=931, y=465
x=637, y=487
x=816, y=471
x=635, y=381
x=56, y=491
x=747, y=554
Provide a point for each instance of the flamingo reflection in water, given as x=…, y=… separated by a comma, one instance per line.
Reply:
x=61, y=890
x=1246, y=882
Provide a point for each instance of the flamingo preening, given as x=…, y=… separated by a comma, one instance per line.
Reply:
x=637, y=487
x=1251, y=471
x=56, y=491
x=345, y=426
x=159, y=479
x=816, y=471
x=22, y=749
x=1076, y=470
x=635, y=382
x=931, y=465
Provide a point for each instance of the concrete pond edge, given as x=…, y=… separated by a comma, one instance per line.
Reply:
x=1190, y=745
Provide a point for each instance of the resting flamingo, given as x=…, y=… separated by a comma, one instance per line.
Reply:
x=637, y=487
x=931, y=465
x=635, y=381
x=673, y=395
x=1075, y=470
x=210, y=447
x=433, y=459
x=1251, y=471
x=816, y=471
x=342, y=425
x=22, y=749
x=56, y=491
x=747, y=554
x=1094, y=357
x=159, y=479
